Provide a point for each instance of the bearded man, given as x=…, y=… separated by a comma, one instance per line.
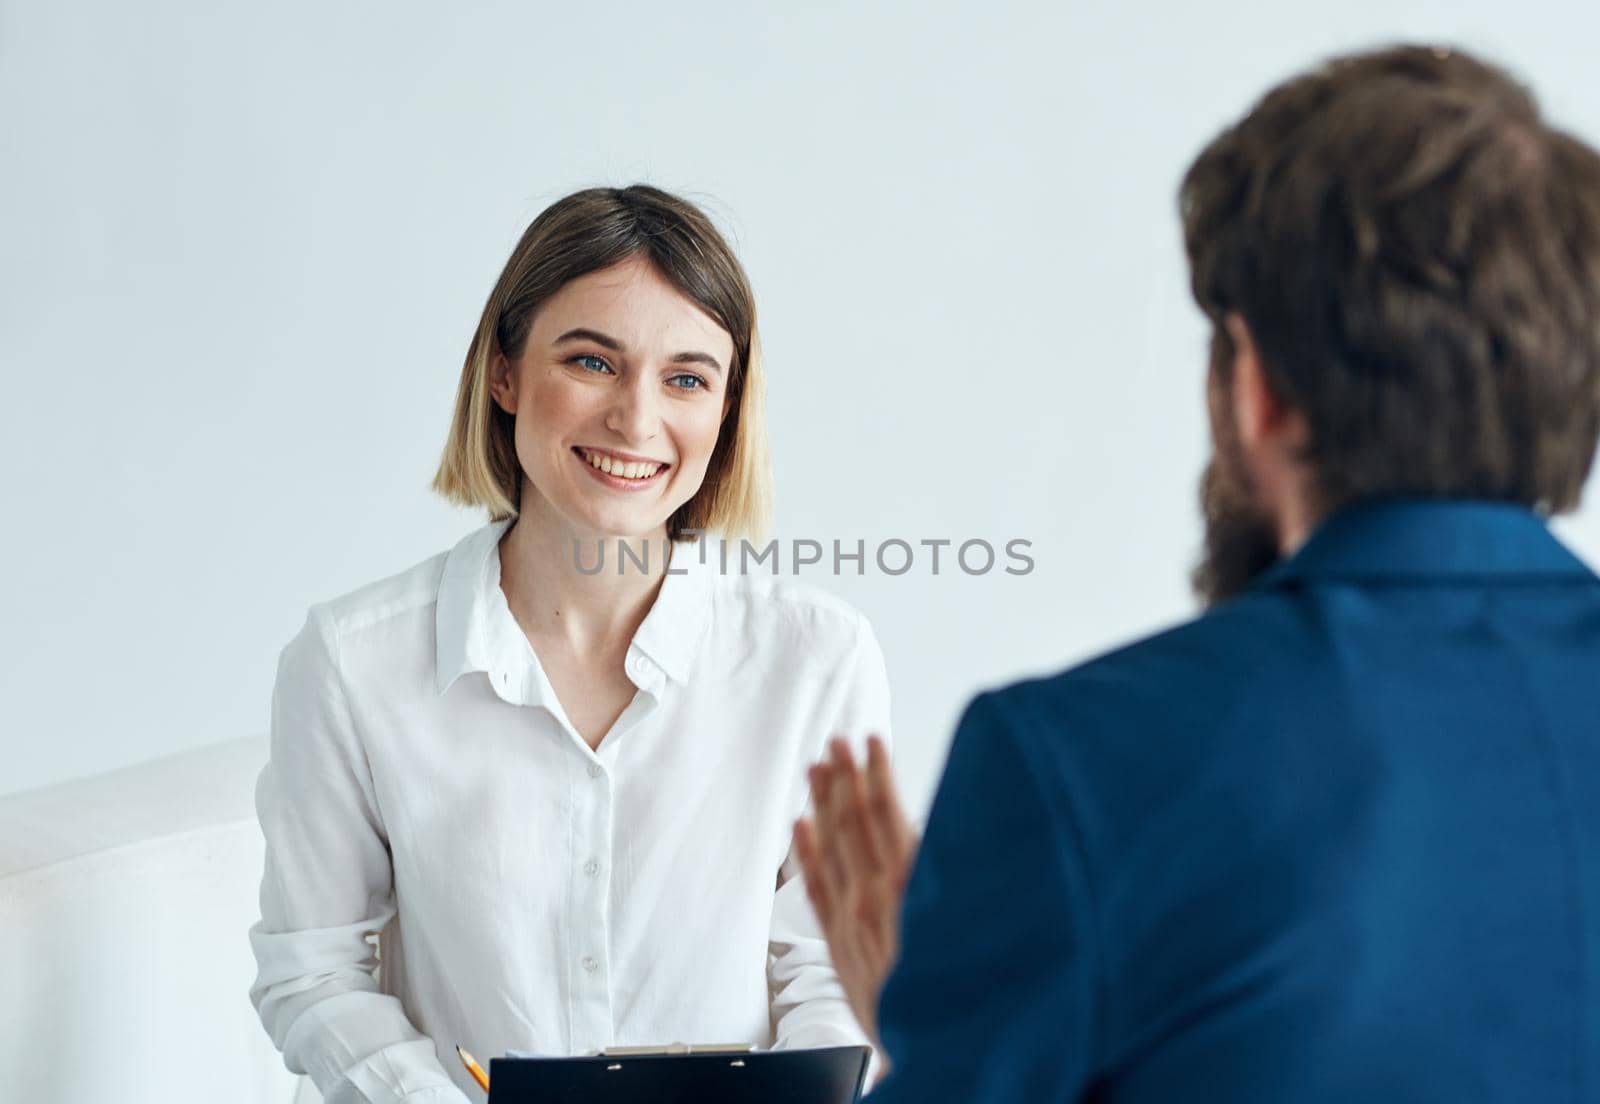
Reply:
x=1337, y=839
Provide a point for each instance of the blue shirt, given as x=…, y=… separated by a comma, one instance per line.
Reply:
x=1336, y=840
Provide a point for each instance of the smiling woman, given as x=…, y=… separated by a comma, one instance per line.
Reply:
x=562, y=799
x=603, y=283
x=624, y=396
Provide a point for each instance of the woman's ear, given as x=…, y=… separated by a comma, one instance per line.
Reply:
x=503, y=383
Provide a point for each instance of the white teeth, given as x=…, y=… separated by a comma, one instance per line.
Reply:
x=625, y=470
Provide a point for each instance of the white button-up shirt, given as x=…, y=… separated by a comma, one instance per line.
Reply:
x=533, y=894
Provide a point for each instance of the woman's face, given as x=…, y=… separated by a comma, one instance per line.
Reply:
x=618, y=397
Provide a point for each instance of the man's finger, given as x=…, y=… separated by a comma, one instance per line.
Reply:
x=889, y=818
x=841, y=770
x=811, y=869
x=826, y=789
x=879, y=810
x=858, y=849
x=866, y=840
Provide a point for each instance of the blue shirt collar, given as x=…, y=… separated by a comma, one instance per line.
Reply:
x=1430, y=538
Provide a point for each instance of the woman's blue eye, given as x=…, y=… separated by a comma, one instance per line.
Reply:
x=687, y=382
x=593, y=363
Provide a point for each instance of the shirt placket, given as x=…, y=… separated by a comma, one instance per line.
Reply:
x=589, y=891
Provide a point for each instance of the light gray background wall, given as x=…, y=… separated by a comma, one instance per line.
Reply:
x=244, y=246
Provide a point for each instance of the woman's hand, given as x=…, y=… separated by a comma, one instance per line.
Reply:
x=856, y=853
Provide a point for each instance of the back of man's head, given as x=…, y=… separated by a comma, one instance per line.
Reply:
x=1417, y=256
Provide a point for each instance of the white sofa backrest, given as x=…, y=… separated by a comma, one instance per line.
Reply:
x=124, y=961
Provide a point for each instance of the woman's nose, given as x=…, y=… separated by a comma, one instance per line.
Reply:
x=634, y=415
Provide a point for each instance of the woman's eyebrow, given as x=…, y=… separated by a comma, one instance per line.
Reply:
x=583, y=333
x=699, y=358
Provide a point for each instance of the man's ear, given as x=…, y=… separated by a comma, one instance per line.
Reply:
x=1262, y=418
x=503, y=382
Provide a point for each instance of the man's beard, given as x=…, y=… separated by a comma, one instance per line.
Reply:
x=1241, y=540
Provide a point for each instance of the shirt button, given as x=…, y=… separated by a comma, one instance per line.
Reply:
x=590, y=964
x=591, y=868
x=594, y=770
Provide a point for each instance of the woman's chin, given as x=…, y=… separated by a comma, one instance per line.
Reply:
x=618, y=525
x=595, y=513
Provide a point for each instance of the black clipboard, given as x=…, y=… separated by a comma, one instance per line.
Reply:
x=819, y=1075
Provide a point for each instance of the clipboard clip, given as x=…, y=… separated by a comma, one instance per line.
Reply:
x=675, y=1048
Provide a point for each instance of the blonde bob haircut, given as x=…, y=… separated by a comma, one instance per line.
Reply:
x=586, y=232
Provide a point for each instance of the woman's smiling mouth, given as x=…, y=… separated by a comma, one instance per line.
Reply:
x=620, y=471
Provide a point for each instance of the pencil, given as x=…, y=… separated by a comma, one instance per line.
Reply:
x=473, y=1068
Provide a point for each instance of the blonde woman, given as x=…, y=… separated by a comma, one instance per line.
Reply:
x=556, y=802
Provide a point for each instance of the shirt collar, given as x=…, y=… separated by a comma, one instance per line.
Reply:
x=475, y=631
x=672, y=631
x=461, y=616
x=1420, y=538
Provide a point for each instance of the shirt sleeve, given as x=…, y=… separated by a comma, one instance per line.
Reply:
x=992, y=998
x=809, y=1007
x=326, y=891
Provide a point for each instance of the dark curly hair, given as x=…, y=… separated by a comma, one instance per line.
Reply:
x=1417, y=256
